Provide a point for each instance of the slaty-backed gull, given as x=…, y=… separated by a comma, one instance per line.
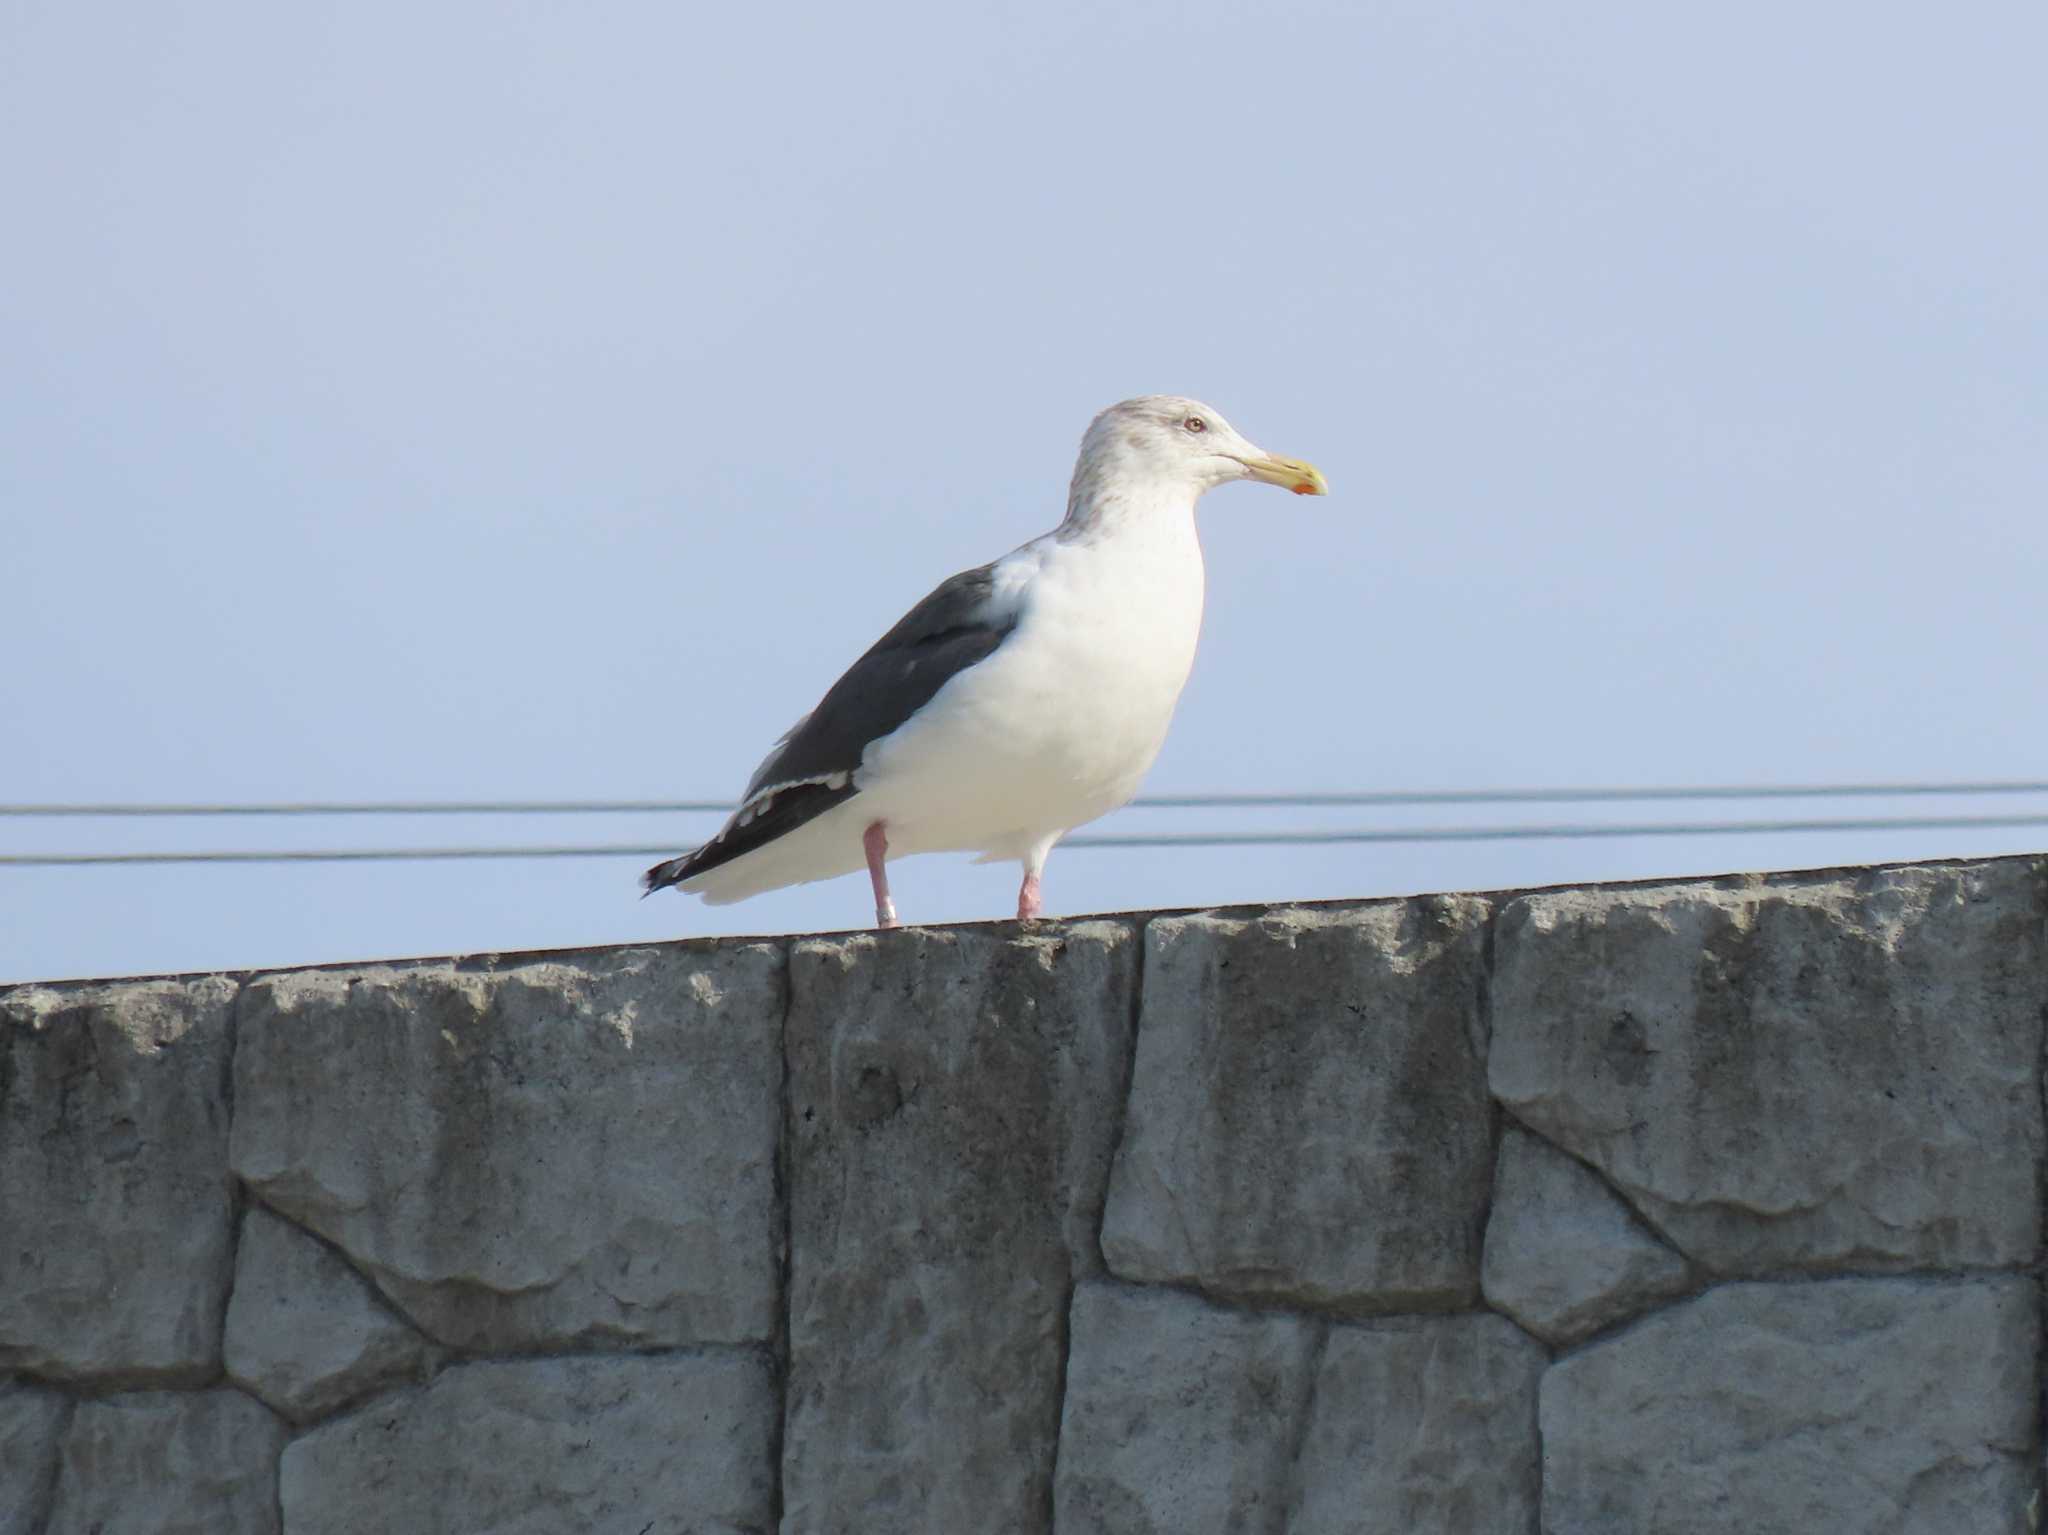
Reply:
x=1020, y=699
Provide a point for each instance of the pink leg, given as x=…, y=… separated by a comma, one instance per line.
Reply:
x=1028, y=904
x=876, y=841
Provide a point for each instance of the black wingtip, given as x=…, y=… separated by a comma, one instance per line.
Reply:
x=661, y=876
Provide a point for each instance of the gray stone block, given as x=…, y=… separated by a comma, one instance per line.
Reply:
x=954, y=1099
x=1887, y=1405
x=1422, y=1425
x=1806, y=1072
x=169, y=1463
x=679, y=1443
x=1564, y=1257
x=539, y=1154
x=32, y=1423
x=1181, y=1417
x=1309, y=1119
x=304, y=1331
x=116, y=1209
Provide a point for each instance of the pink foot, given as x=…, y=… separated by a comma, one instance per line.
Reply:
x=1028, y=904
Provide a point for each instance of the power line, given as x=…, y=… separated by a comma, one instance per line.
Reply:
x=1531, y=833
x=1307, y=800
x=1395, y=797
x=385, y=807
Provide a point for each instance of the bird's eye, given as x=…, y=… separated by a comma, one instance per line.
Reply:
x=1195, y=424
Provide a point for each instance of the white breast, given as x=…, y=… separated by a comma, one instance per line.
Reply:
x=1060, y=724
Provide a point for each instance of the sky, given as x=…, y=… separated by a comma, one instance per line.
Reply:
x=541, y=402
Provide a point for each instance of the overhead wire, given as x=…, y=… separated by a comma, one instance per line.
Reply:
x=1303, y=800
x=1272, y=838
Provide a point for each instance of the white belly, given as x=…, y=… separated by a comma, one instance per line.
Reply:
x=1061, y=724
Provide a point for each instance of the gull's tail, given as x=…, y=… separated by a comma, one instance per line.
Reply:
x=670, y=872
x=759, y=828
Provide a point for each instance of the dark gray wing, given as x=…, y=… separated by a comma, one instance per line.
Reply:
x=811, y=768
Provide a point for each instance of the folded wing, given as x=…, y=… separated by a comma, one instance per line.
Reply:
x=816, y=765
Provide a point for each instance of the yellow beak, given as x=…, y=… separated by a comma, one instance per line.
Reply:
x=1303, y=479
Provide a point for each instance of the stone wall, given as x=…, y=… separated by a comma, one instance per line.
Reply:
x=1711, y=1206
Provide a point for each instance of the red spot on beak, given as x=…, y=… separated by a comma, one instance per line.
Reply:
x=1303, y=489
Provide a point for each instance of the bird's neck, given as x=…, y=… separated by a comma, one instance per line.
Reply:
x=1104, y=505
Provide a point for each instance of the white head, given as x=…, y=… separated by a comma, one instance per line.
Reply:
x=1166, y=446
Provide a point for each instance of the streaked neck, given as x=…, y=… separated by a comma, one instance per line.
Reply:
x=1104, y=504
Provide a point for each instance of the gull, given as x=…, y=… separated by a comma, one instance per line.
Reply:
x=1020, y=699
